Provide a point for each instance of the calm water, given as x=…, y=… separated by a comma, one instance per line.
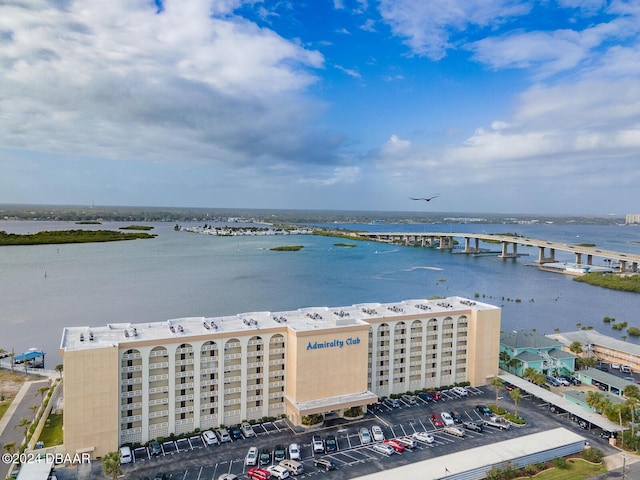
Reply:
x=181, y=274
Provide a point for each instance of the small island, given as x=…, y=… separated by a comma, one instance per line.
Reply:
x=287, y=248
x=68, y=236
x=88, y=222
x=137, y=227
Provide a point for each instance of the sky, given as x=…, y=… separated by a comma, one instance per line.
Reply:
x=497, y=106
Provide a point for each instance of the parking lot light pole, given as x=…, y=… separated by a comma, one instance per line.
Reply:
x=624, y=466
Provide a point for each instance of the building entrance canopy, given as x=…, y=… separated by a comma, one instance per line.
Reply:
x=568, y=406
x=323, y=405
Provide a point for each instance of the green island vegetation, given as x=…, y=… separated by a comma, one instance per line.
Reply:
x=585, y=244
x=88, y=222
x=349, y=234
x=625, y=283
x=348, y=245
x=287, y=248
x=68, y=236
x=136, y=227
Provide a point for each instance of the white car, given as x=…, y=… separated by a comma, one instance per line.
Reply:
x=365, y=436
x=378, y=436
x=294, y=451
x=247, y=430
x=278, y=471
x=252, y=457
x=383, y=448
x=423, y=437
x=615, y=366
x=210, y=438
x=460, y=391
x=318, y=444
x=447, y=419
x=562, y=381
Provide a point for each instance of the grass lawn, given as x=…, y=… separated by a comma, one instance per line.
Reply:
x=52, y=433
x=578, y=470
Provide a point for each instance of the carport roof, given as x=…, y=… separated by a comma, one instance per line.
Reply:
x=323, y=405
x=604, y=377
x=563, y=403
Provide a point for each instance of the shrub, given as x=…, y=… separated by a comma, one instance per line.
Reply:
x=353, y=412
x=560, y=463
x=314, y=419
x=592, y=455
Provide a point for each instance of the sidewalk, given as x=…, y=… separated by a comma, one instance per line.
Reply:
x=19, y=409
x=615, y=464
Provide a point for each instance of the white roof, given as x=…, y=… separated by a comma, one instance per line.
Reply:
x=450, y=465
x=35, y=470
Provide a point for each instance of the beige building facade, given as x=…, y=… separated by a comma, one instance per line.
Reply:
x=131, y=383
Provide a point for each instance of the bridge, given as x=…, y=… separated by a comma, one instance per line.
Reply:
x=509, y=246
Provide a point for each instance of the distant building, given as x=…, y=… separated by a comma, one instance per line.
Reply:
x=524, y=349
x=632, y=219
x=130, y=383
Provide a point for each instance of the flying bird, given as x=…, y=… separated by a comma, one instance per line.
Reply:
x=426, y=199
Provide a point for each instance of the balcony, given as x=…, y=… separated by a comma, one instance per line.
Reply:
x=159, y=401
x=159, y=353
x=131, y=356
x=157, y=365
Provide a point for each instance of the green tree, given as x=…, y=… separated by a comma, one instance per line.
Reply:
x=9, y=447
x=576, y=347
x=111, y=465
x=631, y=391
x=529, y=373
x=516, y=396
x=59, y=369
x=497, y=384
x=632, y=404
x=595, y=400
x=42, y=391
x=34, y=408
x=24, y=423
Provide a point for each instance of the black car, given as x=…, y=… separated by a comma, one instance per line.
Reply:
x=330, y=444
x=602, y=368
x=456, y=416
x=484, y=410
x=324, y=463
x=509, y=386
x=154, y=448
x=236, y=433
x=279, y=453
x=265, y=457
x=426, y=397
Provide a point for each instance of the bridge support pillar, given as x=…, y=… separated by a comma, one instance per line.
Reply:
x=446, y=243
x=467, y=245
x=634, y=267
x=589, y=259
x=578, y=258
x=623, y=265
x=505, y=250
x=550, y=259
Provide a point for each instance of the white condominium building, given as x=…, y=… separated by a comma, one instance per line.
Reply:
x=130, y=383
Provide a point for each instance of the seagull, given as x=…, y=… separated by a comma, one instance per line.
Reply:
x=426, y=199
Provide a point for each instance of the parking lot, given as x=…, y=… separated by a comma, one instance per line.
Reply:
x=191, y=459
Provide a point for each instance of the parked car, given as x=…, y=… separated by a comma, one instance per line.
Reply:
x=392, y=402
x=460, y=391
x=251, y=460
x=125, y=455
x=476, y=427
x=294, y=466
x=423, y=437
x=552, y=381
x=437, y=420
x=235, y=433
x=376, y=431
x=256, y=473
x=210, y=438
x=436, y=396
x=602, y=367
x=376, y=407
x=447, y=419
x=456, y=416
x=410, y=399
x=228, y=476
x=407, y=441
x=324, y=463
x=509, y=386
x=383, y=448
x=223, y=435
x=365, y=436
x=247, y=430
x=395, y=444
x=452, y=430
x=426, y=397
x=278, y=472
x=155, y=449
x=265, y=457
x=318, y=444
x=330, y=444
x=294, y=451
x=484, y=410
x=279, y=453
x=615, y=366
x=626, y=369
x=562, y=381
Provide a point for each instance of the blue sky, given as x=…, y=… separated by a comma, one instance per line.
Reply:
x=499, y=106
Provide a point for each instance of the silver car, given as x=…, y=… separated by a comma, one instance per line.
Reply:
x=365, y=436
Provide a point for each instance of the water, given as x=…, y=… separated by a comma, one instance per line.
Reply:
x=181, y=274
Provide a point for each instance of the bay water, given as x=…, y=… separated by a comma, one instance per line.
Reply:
x=180, y=274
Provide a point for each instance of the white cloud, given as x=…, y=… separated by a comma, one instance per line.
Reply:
x=193, y=83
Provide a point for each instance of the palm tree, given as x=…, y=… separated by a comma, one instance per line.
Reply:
x=24, y=423
x=632, y=404
x=576, y=347
x=59, y=369
x=35, y=408
x=514, y=364
x=9, y=447
x=595, y=400
x=504, y=358
x=42, y=391
x=516, y=396
x=631, y=391
x=497, y=384
x=111, y=465
x=530, y=373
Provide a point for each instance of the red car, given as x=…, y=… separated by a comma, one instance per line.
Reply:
x=393, y=443
x=437, y=420
x=259, y=473
x=436, y=395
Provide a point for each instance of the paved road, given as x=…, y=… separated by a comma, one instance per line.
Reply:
x=27, y=397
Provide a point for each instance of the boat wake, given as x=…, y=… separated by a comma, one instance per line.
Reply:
x=386, y=251
x=423, y=268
